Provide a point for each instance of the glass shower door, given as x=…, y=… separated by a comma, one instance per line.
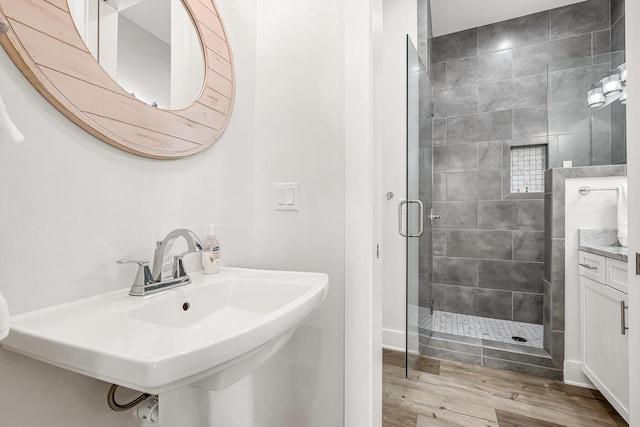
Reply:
x=413, y=223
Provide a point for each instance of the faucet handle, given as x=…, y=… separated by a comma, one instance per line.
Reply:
x=178, y=266
x=143, y=276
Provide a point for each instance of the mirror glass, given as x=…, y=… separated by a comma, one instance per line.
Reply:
x=150, y=47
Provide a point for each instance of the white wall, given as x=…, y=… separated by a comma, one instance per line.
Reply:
x=299, y=137
x=633, y=151
x=595, y=211
x=399, y=19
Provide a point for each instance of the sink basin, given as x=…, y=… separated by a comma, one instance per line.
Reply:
x=210, y=333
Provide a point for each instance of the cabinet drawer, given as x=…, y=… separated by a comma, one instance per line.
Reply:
x=616, y=275
x=592, y=266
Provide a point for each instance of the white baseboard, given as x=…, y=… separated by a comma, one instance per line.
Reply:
x=573, y=374
x=394, y=340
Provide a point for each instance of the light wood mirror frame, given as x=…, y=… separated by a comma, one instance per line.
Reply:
x=46, y=46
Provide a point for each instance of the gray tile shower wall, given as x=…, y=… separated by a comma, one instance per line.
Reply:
x=618, y=111
x=491, y=91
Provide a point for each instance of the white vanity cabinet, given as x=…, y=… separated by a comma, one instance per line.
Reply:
x=605, y=339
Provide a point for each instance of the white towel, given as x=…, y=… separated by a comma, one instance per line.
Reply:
x=8, y=131
x=4, y=318
x=623, y=223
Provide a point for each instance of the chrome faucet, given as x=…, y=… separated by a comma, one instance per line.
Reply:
x=168, y=270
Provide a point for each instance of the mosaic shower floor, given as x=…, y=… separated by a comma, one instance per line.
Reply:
x=481, y=327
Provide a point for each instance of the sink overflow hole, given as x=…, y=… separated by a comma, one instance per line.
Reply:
x=519, y=339
x=186, y=306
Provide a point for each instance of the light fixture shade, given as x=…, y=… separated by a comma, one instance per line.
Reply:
x=622, y=69
x=595, y=97
x=611, y=84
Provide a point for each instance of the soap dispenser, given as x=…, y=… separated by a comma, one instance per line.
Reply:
x=211, y=251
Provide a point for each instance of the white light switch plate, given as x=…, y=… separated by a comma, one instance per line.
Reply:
x=287, y=196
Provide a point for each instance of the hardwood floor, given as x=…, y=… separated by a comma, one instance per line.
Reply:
x=444, y=394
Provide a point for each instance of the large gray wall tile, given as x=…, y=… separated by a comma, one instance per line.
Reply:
x=573, y=84
x=455, y=271
x=490, y=156
x=479, y=69
x=456, y=215
x=523, y=368
x=546, y=317
x=618, y=115
x=512, y=33
x=453, y=46
x=512, y=94
x=618, y=145
x=617, y=35
x=585, y=61
x=618, y=58
x=480, y=127
x=479, y=302
x=511, y=276
x=617, y=10
x=580, y=18
x=527, y=307
x=601, y=119
x=557, y=309
x=451, y=344
x=569, y=117
x=439, y=131
x=438, y=296
x=479, y=244
x=575, y=147
x=439, y=243
x=522, y=354
x=534, y=59
x=456, y=102
x=557, y=346
x=458, y=158
x=456, y=356
x=529, y=122
x=511, y=215
x=474, y=186
x=528, y=246
x=601, y=148
x=438, y=76
x=601, y=42
x=557, y=262
x=440, y=186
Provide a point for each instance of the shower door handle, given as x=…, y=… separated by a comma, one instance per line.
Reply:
x=421, y=210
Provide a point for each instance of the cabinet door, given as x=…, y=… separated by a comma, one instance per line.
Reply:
x=605, y=349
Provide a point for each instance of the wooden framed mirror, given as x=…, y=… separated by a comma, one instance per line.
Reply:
x=45, y=45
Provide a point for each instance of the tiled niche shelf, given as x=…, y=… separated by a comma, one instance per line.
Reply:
x=527, y=164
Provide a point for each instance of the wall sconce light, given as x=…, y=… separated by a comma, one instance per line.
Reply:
x=611, y=88
x=596, y=97
x=611, y=84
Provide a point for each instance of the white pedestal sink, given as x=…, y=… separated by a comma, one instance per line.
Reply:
x=197, y=343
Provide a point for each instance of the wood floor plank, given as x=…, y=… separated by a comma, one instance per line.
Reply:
x=463, y=395
x=494, y=397
x=453, y=418
x=508, y=419
x=431, y=422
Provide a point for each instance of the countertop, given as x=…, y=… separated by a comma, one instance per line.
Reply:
x=603, y=243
